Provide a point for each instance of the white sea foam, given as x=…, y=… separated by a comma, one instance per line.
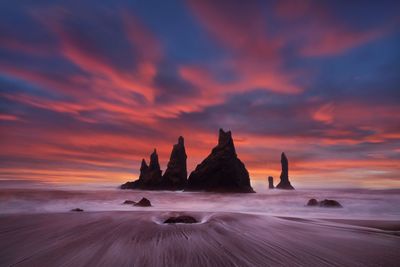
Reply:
x=357, y=203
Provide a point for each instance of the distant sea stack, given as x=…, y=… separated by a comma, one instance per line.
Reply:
x=175, y=176
x=221, y=171
x=284, y=184
x=150, y=175
x=271, y=182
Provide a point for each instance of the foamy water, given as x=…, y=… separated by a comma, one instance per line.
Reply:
x=357, y=203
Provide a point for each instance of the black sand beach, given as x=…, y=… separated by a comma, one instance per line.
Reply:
x=139, y=238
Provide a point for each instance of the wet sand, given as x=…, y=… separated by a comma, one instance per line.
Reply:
x=138, y=238
x=383, y=224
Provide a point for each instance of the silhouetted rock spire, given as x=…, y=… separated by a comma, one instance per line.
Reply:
x=154, y=165
x=284, y=184
x=271, y=182
x=153, y=176
x=225, y=142
x=221, y=171
x=175, y=176
x=144, y=168
x=150, y=176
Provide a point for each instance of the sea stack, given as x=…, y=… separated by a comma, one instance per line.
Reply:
x=175, y=176
x=153, y=174
x=284, y=184
x=221, y=171
x=150, y=175
x=271, y=182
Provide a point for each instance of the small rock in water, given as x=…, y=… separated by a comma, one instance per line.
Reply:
x=181, y=219
x=330, y=203
x=77, y=209
x=326, y=203
x=144, y=202
x=312, y=202
x=129, y=202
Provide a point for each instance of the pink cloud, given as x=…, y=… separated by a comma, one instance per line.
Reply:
x=319, y=32
x=8, y=117
x=243, y=30
x=325, y=113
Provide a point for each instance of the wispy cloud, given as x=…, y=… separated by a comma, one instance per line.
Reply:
x=88, y=90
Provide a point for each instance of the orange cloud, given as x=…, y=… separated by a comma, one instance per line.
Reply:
x=325, y=113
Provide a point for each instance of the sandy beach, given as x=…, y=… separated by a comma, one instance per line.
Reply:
x=268, y=228
x=139, y=238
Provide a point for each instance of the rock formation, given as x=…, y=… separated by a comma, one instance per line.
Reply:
x=150, y=175
x=144, y=169
x=181, y=219
x=129, y=202
x=144, y=202
x=284, y=183
x=77, y=209
x=153, y=174
x=330, y=203
x=312, y=202
x=175, y=176
x=326, y=203
x=271, y=182
x=221, y=171
x=130, y=185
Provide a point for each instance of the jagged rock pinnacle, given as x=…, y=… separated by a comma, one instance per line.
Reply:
x=284, y=183
x=222, y=170
x=175, y=176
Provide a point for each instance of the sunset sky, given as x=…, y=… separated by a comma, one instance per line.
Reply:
x=89, y=88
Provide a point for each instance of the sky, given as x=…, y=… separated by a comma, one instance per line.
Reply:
x=89, y=88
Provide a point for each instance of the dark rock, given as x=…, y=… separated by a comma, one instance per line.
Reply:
x=144, y=202
x=150, y=175
x=144, y=169
x=330, y=203
x=130, y=185
x=175, y=176
x=129, y=202
x=154, y=164
x=77, y=209
x=221, y=171
x=181, y=219
x=326, y=203
x=284, y=183
x=271, y=182
x=312, y=202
